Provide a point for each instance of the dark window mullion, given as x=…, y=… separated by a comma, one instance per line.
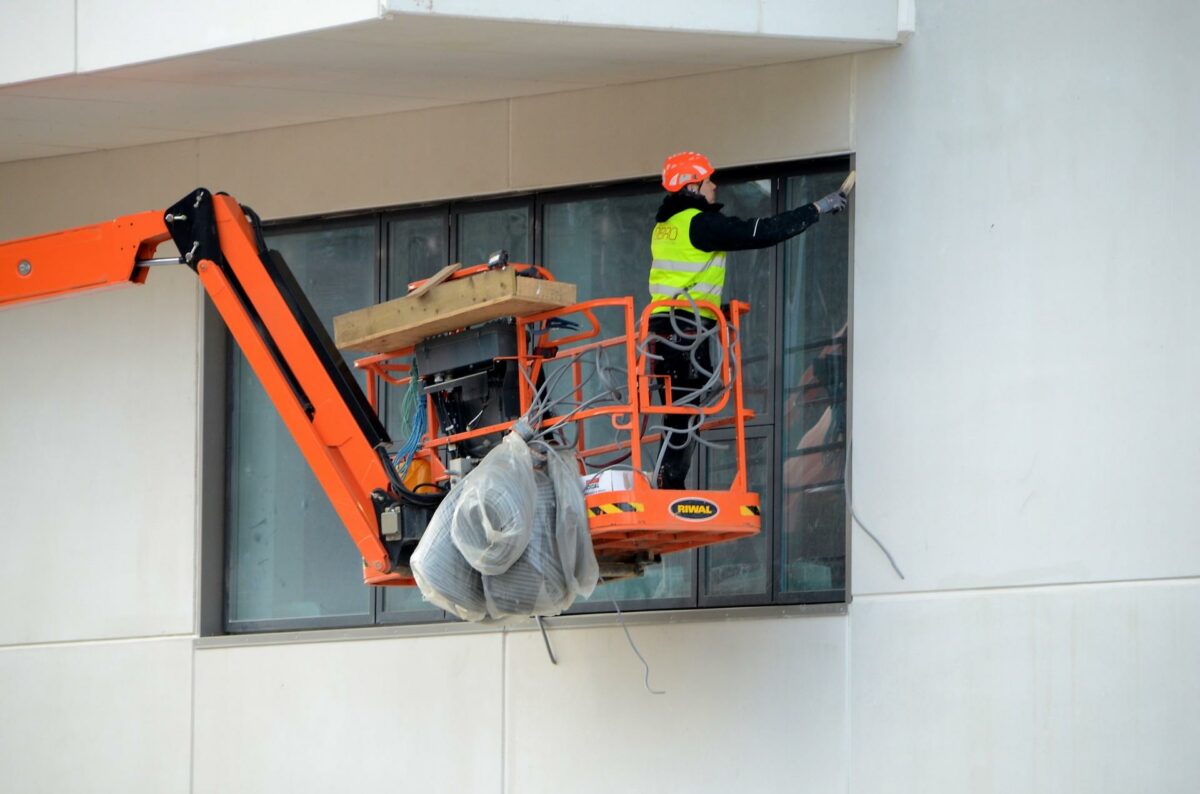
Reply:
x=381, y=407
x=779, y=387
x=539, y=228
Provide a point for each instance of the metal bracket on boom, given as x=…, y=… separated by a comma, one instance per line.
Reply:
x=193, y=227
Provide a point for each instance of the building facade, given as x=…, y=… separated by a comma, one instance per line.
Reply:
x=1015, y=281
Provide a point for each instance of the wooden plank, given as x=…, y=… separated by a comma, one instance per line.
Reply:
x=449, y=306
x=434, y=280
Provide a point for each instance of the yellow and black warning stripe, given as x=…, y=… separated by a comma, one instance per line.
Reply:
x=617, y=507
x=751, y=510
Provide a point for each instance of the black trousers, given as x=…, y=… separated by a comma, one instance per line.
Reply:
x=685, y=378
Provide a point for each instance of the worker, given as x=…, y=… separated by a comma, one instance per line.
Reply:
x=688, y=245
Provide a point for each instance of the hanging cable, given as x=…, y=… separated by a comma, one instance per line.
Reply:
x=854, y=516
x=632, y=644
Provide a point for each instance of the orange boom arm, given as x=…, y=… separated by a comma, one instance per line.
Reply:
x=270, y=319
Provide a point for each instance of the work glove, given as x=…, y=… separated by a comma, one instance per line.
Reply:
x=832, y=204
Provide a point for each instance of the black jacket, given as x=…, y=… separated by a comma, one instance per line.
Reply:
x=712, y=231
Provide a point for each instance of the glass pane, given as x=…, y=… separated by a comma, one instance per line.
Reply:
x=408, y=601
x=816, y=294
x=480, y=234
x=289, y=554
x=740, y=568
x=418, y=246
x=750, y=277
x=603, y=246
x=672, y=578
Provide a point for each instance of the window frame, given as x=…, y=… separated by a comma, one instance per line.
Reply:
x=764, y=425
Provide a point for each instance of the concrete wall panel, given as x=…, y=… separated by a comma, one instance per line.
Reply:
x=96, y=717
x=369, y=162
x=1083, y=688
x=1026, y=343
x=406, y=714
x=865, y=19
x=749, y=706
x=737, y=117
x=39, y=196
x=144, y=30
x=98, y=464
x=37, y=40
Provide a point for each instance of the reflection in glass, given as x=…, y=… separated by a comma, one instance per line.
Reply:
x=289, y=556
x=672, y=578
x=417, y=248
x=816, y=297
x=408, y=600
x=740, y=568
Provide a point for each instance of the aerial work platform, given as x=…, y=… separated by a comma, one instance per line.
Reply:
x=580, y=379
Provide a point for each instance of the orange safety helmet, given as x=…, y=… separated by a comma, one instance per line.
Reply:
x=685, y=168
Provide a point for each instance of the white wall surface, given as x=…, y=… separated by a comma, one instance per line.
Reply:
x=48, y=39
x=752, y=705
x=144, y=30
x=863, y=19
x=96, y=717
x=36, y=40
x=45, y=39
x=98, y=471
x=1025, y=350
x=1026, y=340
x=414, y=714
x=489, y=713
x=1088, y=688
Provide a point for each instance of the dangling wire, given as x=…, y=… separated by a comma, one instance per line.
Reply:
x=633, y=645
x=854, y=516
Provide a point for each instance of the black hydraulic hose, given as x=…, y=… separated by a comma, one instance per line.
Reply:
x=404, y=492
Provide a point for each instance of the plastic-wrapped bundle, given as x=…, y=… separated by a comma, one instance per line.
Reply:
x=493, y=518
x=579, y=565
x=534, y=584
x=559, y=563
x=443, y=575
x=509, y=541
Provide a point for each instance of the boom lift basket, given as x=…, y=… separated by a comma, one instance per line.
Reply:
x=636, y=523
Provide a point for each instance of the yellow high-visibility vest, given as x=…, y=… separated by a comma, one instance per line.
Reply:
x=680, y=267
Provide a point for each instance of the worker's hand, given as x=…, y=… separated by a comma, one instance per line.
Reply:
x=832, y=204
